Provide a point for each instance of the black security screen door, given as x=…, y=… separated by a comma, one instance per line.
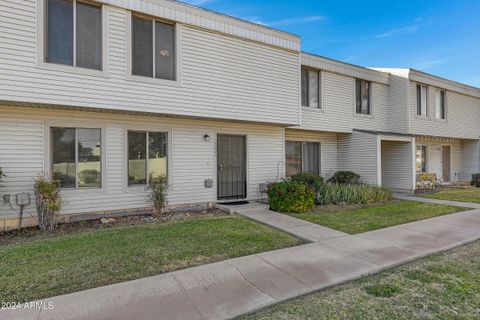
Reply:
x=231, y=167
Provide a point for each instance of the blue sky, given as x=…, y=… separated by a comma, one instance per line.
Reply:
x=435, y=36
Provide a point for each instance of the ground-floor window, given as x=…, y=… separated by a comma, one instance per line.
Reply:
x=76, y=157
x=302, y=157
x=147, y=156
x=421, y=159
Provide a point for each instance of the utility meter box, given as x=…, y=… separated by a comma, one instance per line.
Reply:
x=23, y=199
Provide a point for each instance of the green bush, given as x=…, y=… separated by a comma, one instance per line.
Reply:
x=290, y=196
x=157, y=195
x=312, y=180
x=333, y=193
x=344, y=177
x=476, y=180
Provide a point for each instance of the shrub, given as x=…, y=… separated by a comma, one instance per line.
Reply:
x=49, y=202
x=2, y=176
x=157, y=195
x=312, y=180
x=344, y=177
x=476, y=180
x=290, y=196
x=333, y=193
x=90, y=176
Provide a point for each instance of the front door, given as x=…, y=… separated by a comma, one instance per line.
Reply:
x=231, y=167
x=446, y=163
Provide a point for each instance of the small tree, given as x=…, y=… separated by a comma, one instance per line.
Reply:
x=49, y=202
x=157, y=195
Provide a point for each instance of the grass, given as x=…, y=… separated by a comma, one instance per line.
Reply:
x=355, y=220
x=48, y=267
x=444, y=286
x=462, y=195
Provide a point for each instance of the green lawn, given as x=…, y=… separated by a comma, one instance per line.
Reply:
x=445, y=286
x=68, y=263
x=462, y=195
x=355, y=220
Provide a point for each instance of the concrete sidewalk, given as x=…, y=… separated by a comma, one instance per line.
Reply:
x=234, y=287
x=437, y=201
x=307, y=231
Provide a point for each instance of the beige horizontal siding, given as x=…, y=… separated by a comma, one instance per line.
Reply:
x=357, y=152
x=462, y=121
x=192, y=159
x=397, y=165
x=338, y=112
x=220, y=77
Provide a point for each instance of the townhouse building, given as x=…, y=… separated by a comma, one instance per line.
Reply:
x=106, y=95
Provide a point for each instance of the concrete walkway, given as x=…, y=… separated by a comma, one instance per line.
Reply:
x=234, y=287
x=436, y=201
x=307, y=231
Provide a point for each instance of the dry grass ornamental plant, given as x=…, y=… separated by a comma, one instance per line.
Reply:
x=49, y=202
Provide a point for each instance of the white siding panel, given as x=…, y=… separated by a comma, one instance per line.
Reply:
x=220, y=77
x=470, y=158
x=338, y=112
x=463, y=116
x=192, y=159
x=357, y=152
x=397, y=165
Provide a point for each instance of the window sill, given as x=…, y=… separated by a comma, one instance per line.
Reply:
x=364, y=116
x=164, y=82
x=313, y=109
x=424, y=118
x=71, y=69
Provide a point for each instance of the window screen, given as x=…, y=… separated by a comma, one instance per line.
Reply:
x=142, y=47
x=440, y=104
x=164, y=51
x=362, y=92
x=311, y=157
x=89, y=36
x=293, y=158
x=60, y=31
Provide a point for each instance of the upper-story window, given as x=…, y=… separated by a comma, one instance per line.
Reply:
x=422, y=99
x=440, y=110
x=153, y=48
x=311, y=88
x=74, y=33
x=363, y=92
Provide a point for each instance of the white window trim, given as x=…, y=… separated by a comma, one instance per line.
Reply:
x=320, y=89
x=42, y=37
x=178, y=63
x=302, y=140
x=371, y=115
x=426, y=159
x=140, y=188
x=427, y=93
x=436, y=116
x=47, y=143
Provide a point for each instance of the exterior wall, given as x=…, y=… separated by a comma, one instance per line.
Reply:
x=470, y=158
x=328, y=147
x=434, y=156
x=219, y=76
x=338, y=112
x=397, y=165
x=358, y=152
x=24, y=155
x=398, y=111
x=463, y=116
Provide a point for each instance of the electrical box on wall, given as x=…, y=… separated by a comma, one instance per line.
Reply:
x=208, y=183
x=23, y=199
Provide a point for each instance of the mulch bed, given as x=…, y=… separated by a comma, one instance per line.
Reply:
x=33, y=233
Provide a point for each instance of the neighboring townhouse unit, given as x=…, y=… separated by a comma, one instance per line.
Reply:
x=106, y=94
x=102, y=94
